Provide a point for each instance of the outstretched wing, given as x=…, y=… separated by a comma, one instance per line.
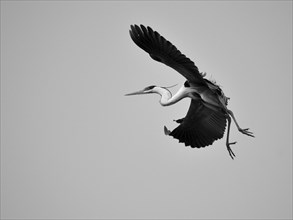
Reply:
x=201, y=126
x=164, y=51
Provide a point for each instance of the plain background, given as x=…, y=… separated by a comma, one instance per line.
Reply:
x=73, y=146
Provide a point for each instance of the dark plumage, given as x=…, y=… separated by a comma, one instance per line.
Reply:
x=206, y=118
x=165, y=52
x=201, y=126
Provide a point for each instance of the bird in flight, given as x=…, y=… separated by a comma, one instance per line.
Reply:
x=208, y=114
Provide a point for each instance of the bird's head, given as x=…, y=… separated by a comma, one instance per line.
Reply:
x=146, y=90
x=150, y=90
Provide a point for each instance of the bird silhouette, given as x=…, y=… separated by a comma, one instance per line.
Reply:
x=208, y=114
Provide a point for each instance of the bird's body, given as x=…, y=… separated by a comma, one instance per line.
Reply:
x=206, y=118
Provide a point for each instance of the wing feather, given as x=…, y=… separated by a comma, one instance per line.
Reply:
x=201, y=126
x=164, y=51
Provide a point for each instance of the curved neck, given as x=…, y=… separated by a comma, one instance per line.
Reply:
x=166, y=96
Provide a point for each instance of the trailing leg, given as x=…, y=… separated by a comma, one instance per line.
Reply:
x=232, y=155
x=243, y=131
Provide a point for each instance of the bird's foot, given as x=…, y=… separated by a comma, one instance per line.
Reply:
x=246, y=132
x=232, y=155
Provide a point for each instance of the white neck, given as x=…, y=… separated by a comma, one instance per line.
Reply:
x=167, y=98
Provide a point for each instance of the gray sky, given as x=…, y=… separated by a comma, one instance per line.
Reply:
x=73, y=146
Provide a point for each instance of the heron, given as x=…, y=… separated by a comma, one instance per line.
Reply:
x=207, y=116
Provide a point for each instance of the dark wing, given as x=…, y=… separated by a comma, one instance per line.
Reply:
x=201, y=126
x=164, y=51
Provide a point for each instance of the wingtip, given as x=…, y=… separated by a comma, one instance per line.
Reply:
x=140, y=26
x=133, y=27
x=166, y=131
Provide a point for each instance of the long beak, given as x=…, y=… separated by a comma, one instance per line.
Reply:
x=167, y=87
x=140, y=92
